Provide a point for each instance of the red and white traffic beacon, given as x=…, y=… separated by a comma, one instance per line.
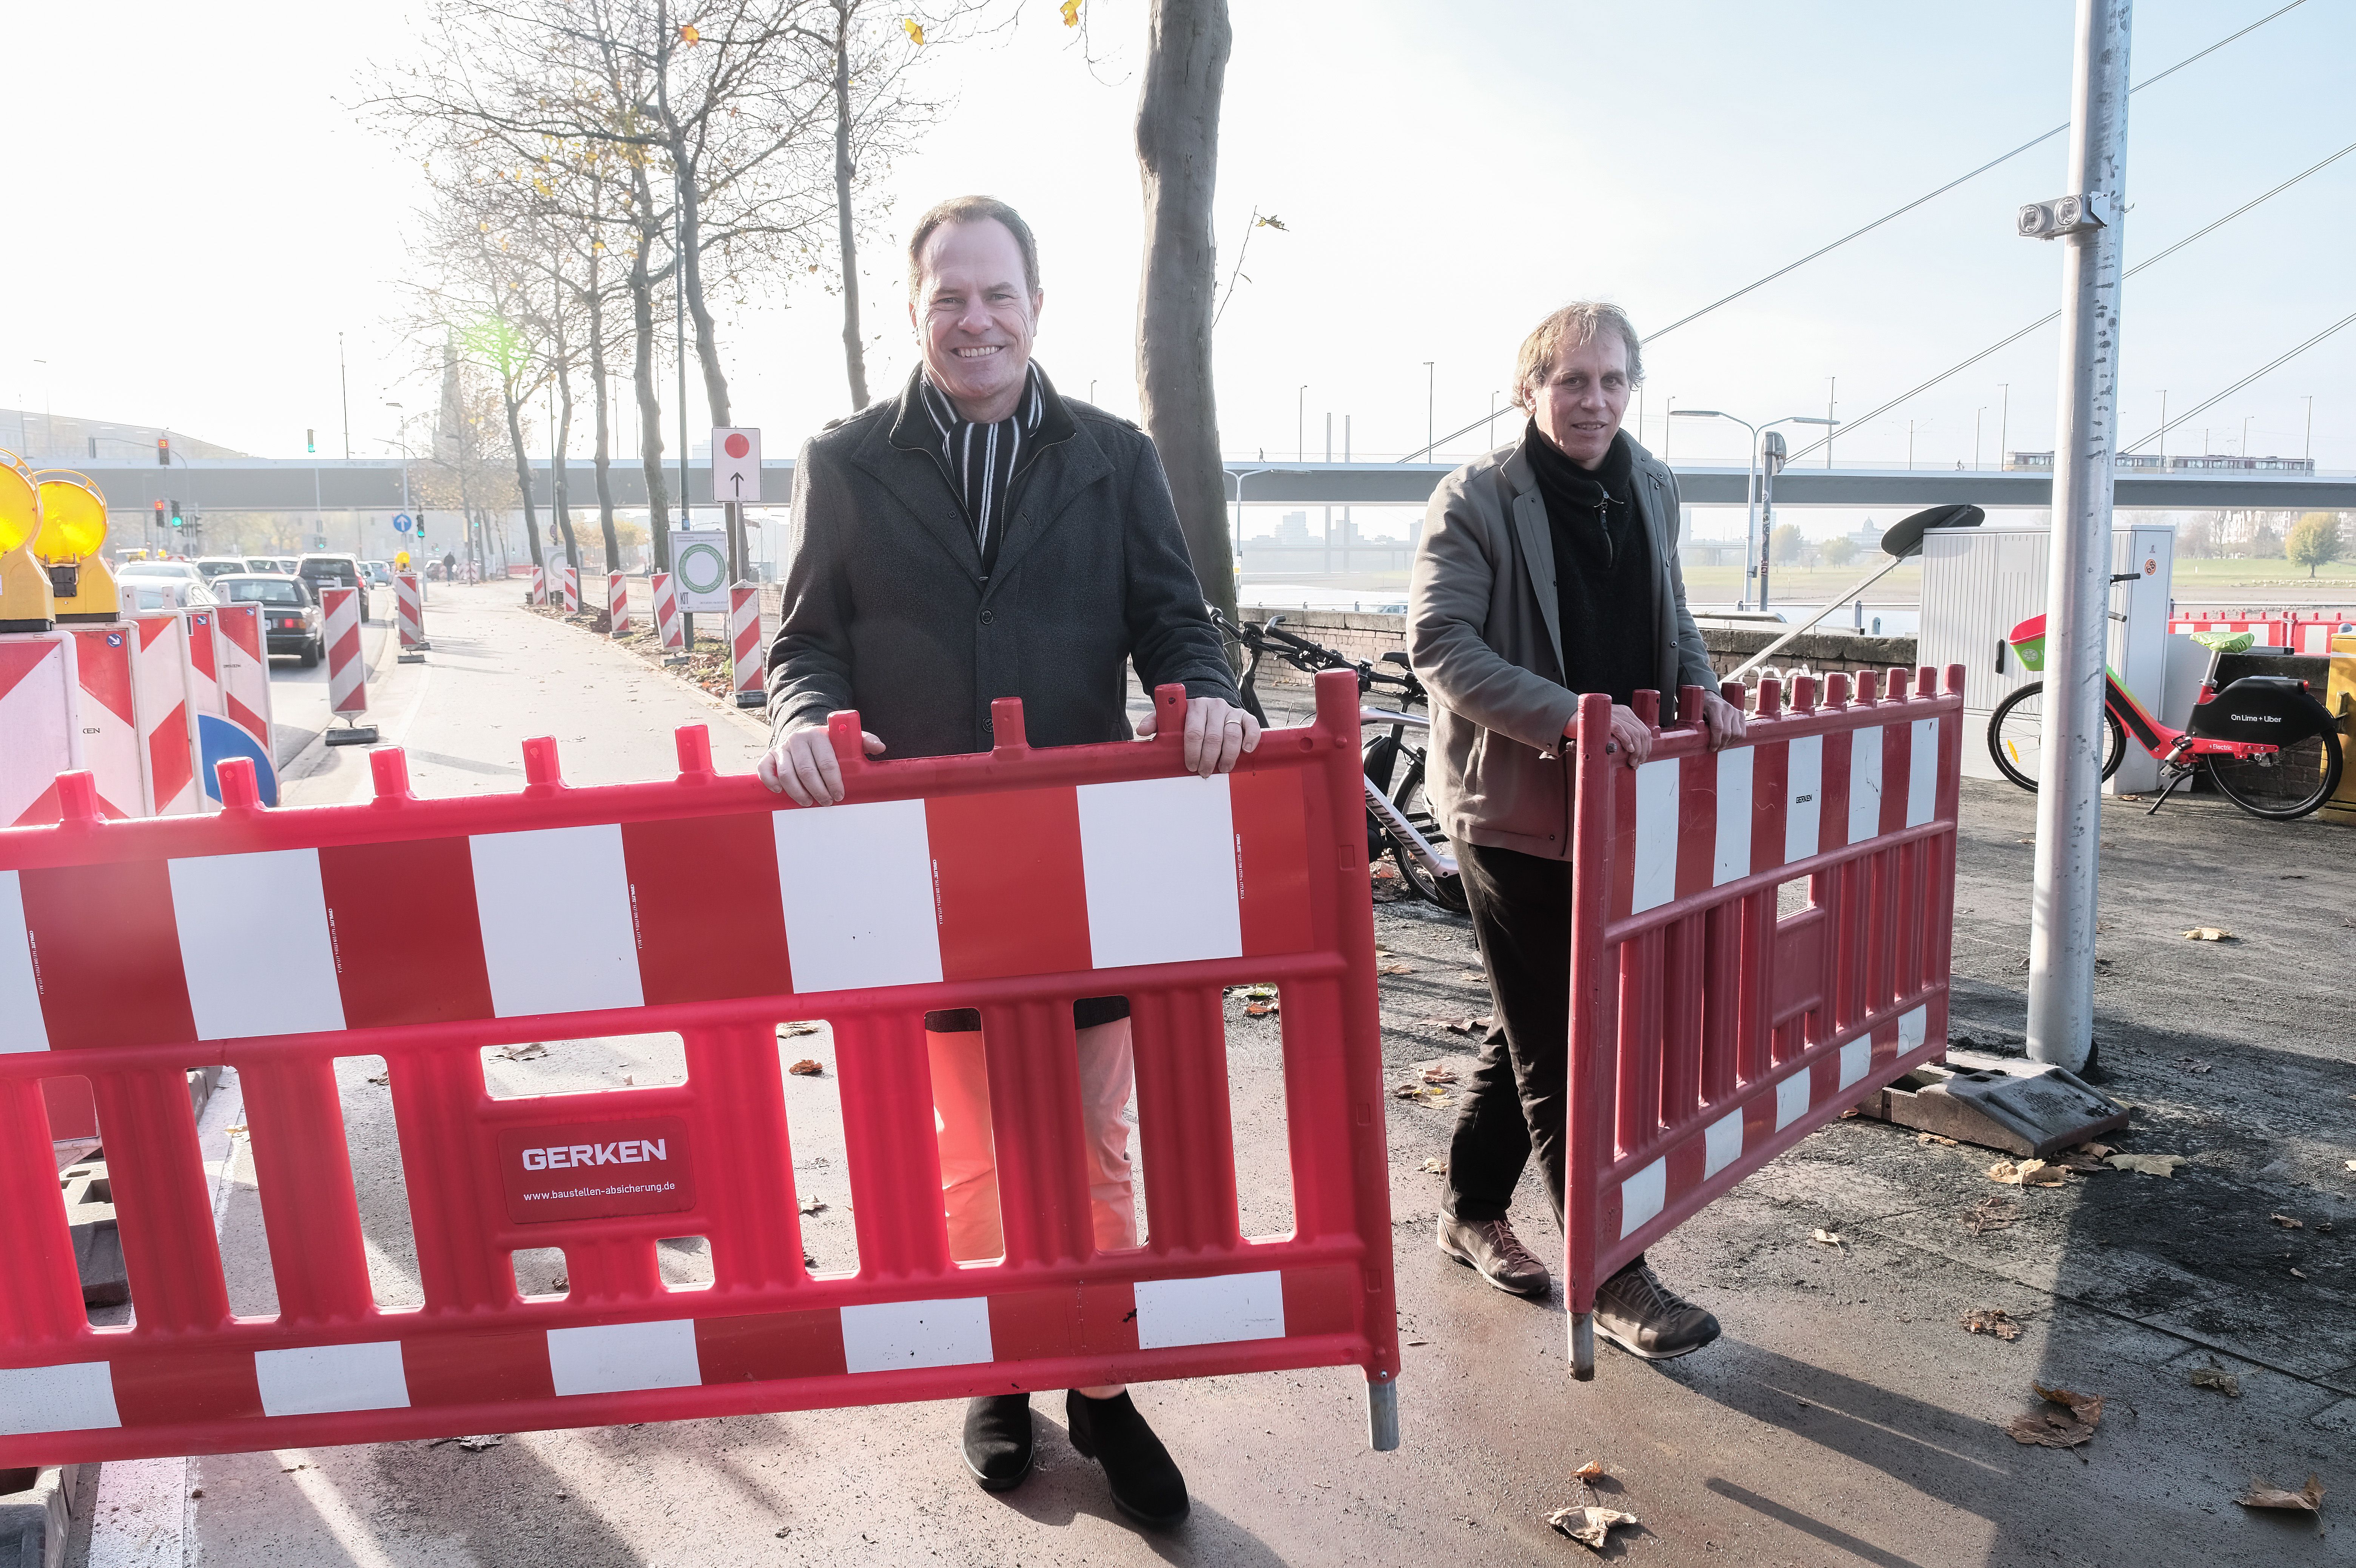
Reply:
x=346, y=670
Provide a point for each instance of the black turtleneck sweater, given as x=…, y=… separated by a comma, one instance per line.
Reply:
x=1602, y=568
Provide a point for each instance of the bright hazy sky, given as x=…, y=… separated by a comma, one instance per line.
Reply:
x=201, y=213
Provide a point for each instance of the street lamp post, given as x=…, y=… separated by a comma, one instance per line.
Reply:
x=1757, y=494
x=1300, y=424
x=1431, y=382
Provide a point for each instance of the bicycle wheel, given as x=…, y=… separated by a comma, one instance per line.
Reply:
x=1448, y=892
x=2281, y=785
x=2016, y=732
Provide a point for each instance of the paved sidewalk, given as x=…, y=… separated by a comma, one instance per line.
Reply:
x=1845, y=1417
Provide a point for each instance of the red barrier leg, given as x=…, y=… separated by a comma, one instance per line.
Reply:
x=1588, y=1125
x=294, y=1117
x=1179, y=1039
x=896, y=1165
x=756, y=1238
x=162, y=1203
x=40, y=1293
x=1035, y=1125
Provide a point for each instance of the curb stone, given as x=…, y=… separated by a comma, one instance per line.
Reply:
x=35, y=1522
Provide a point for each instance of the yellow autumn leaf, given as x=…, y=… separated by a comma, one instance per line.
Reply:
x=1071, y=13
x=688, y=34
x=915, y=34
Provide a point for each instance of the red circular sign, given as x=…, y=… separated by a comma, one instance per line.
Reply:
x=736, y=446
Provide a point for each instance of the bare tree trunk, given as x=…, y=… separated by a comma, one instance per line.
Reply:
x=562, y=504
x=690, y=276
x=854, y=347
x=642, y=376
x=523, y=465
x=604, y=456
x=1178, y=154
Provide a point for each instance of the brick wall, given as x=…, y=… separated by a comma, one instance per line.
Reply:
x=1372, y=636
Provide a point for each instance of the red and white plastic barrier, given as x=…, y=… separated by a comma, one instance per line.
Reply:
x=537, y=593
x=103, y=655
x=409, y=606
x=1708, y=1034
x=2272, y=631
x=745, y=642
x=168, y=726
x=37, y=699
x=1013, y=882
x=2313, y=634
x=667, y=629
x=617, y=603
x=570, y=576
x=346, y=670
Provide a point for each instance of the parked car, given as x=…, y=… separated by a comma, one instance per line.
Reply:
x=276, y=565
x=216, y=565
x=377, y=572
x=150, y=594
x=291, y=618
x=179, y=571
x=336, y=571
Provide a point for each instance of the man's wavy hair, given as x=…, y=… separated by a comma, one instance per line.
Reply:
x=971, y=209
x=1573, y=327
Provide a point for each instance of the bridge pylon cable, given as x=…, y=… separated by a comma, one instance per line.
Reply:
x=2271, y=365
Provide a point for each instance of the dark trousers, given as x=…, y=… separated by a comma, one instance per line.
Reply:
x=1513, y=1105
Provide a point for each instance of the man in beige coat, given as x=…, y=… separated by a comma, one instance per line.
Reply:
x=1547, y=569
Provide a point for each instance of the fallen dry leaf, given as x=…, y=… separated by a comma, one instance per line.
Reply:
x=1588, y=1471
x=1453, y=1025
x=2286, y=1222
x=2211, y=934
x=2194, y=1064
x=1939, y=1138
x=788, y=1031
x=2217, y=1377
x=1824, y=1238
x=1260, y=992
x=807, y=1068
x=2080, y=1160
x=1990, y=1214
x=1259, y=1009
x=1435, y=1166
x=1589, y=1526
x=1395, y=969
x=531, y=1052
x=2099, y=1151
x=2351, y=1165
x=1993, y=1320
x=2147, y=1165
x=1472, y=976
x=2068, y=1425
x=2264, y=1495
x=1440, y=1072
x=2298, y=1273
x=813, y=1205
x=2028, y=1173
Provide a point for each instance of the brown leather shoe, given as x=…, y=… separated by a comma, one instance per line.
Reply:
x=1644, y=1318
x=1490, y=1249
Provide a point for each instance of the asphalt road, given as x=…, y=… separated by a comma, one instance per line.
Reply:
x=1845, y=1417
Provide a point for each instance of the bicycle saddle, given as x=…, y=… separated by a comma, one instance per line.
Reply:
x=2225, y=641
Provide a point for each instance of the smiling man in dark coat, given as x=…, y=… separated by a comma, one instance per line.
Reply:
x=982, y=537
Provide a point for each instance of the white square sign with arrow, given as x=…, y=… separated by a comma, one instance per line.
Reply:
x=736, y=463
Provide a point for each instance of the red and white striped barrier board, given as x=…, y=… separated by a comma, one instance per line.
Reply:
x=409, y=605
x=1014, y=882
x=244, y=668
x=108, y=718
x=159, y=702
x=745, y=642
x=205, y=694
x=617, y=603
x=346, y=670
x=2272, y=631
x=2312, y=635
x=539, y=592
x=667, y=623
x=1708, y=1036
x=38, y=698
x=570, y=575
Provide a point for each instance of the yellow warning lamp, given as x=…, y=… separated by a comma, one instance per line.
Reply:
x=25, y=603
x=401, y=559
x=74, y=527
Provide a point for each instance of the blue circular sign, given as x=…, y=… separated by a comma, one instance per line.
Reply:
x=401, y=522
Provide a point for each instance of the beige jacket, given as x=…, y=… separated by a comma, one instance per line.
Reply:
x=1482, y=632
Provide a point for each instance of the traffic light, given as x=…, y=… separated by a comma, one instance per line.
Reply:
x=175, y=514
x=159, y=514
x=162, y=451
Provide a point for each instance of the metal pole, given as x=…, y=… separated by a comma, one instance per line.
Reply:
x=2004, y=424
x=2309, y=453
x=2069, y=781
x=1832, y=386
x=1431, y=382
x=344, y=381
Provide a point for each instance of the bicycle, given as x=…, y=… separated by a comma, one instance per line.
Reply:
x=1399, y=819
x=2268, y=745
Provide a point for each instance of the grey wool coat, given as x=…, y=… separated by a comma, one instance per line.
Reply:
x=1481, y=624
x=886, y=610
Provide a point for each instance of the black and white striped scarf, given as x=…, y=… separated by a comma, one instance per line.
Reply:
x=980, y=459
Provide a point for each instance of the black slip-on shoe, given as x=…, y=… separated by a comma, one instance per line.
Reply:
x=1491, y=1249
x=1145, y=1482
x=1644, y=1318
x=997, y=1441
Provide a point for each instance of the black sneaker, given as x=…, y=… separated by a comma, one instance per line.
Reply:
x=1644, y=1318
x=1146, y=1484
x=998, y=1440
x=1491, y=1249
